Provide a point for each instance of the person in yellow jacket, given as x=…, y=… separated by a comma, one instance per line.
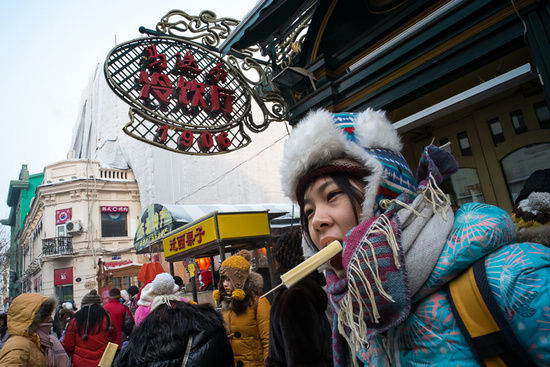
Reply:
x=246, y=315
x=26, y=313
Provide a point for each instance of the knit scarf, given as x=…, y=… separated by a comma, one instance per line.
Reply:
x=375, y=294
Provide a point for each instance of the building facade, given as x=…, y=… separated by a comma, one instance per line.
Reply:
x=471, y=73
x=20, y=195
x=82, y=213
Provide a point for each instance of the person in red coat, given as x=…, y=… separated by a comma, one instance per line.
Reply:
x=118, y=312
x=89, y=332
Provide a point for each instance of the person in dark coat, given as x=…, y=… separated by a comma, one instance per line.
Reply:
x=299, y=330
x=177, y=334
x=89, y=332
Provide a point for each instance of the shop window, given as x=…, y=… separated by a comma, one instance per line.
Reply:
x=466, y=187
x=518, y=166
x=543, y=114
x=496, y=131
x=518, y=121
x=113, y=225
x=124, y=282
x=64, y=293
x=464, y=143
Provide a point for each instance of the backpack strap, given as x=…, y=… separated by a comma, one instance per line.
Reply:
x=482, y=322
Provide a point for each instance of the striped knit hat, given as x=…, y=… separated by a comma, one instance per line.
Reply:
x=366, y=142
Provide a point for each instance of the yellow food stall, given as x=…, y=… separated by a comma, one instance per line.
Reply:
x=219, y=233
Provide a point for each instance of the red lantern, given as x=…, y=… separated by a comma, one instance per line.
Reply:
x=204, y=263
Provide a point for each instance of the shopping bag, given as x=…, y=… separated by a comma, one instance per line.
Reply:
x=108, y=355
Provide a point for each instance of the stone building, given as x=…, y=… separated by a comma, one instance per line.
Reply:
x=82, y=213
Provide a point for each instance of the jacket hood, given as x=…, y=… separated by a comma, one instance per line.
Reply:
x=22, y=312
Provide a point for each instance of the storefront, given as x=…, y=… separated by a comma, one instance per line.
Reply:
x=474, y=74
x=212, y=232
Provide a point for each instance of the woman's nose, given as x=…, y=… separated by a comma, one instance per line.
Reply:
x=321, y=218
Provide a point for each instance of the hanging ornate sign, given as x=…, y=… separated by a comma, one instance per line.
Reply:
x=184, y=95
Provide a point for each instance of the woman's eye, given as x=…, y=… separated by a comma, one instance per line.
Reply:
x=333, y=194
x=308, y=212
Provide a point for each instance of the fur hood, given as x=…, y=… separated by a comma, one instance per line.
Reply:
x=322, y=137
x=27, y=311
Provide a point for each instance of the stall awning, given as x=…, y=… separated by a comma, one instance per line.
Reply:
x=160, y=219
x=216, y=233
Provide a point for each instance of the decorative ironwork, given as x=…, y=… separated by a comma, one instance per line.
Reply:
x=57, y=246
x=184, y=95
x=205, y=27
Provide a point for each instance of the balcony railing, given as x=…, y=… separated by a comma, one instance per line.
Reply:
x=57, y=246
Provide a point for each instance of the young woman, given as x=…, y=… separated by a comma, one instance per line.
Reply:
x=89, y=332
x=403, y=245
x=246, y=315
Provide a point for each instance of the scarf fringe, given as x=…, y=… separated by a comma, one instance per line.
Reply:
x=435, y=196
x=352, y=319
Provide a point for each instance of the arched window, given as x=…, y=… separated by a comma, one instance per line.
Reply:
x=518, y=165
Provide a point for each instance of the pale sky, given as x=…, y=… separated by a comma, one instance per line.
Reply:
x=49, y=51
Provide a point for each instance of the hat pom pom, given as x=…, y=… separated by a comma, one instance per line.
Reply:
x=245, y=254
x=238, y=294
x=164, y=284
x=216, y=295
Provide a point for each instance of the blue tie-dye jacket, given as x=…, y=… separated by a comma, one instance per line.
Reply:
x=518, y=275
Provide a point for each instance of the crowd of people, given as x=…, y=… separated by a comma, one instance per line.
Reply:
x=399, y=292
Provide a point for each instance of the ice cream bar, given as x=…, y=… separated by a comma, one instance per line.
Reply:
x=307, y=267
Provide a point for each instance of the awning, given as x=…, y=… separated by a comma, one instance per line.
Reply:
x=217, y=233
x=267, y=18
x=160, y=219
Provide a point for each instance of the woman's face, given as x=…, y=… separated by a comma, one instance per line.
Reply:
x=330, y=215
x=227, y=286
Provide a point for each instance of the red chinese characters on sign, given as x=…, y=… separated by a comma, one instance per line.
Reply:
x=154, y=61
x=187, y=239
x=188, y=65
x=114, y=209
x=191, y=94
x=159, y=86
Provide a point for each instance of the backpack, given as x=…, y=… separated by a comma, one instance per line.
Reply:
x=482, y=322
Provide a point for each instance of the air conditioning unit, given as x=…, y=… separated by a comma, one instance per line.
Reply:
x=73, y=226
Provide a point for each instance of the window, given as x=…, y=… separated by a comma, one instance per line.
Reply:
x=64, y=293
x=61, y=230
x=519, y=165
x=464, y=143
x=496, y=131
x=518, y=121
x=117, y=282
x=543, y=114
x=466, y=187
x=125, y=282
x=113, y=225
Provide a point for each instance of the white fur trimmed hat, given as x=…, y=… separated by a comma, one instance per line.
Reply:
x=146, y=295
x=367, y=138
